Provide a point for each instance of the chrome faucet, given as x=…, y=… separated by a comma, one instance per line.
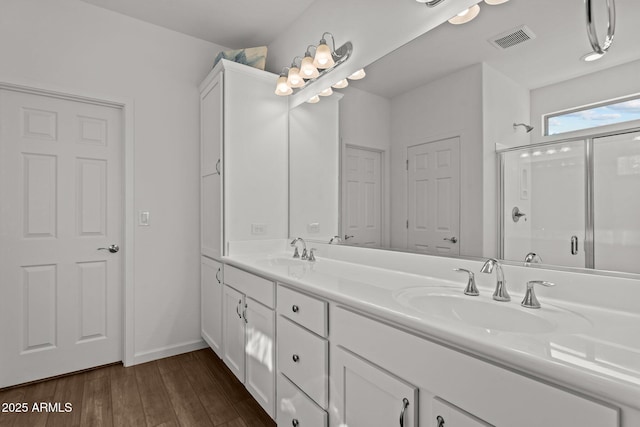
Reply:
x=294, y=244
x=335, y=239
x=532, y=257
x=530, y=300
x=500, y=293
x=471, y=288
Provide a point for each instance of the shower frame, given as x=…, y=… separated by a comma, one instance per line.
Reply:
x=589, y=186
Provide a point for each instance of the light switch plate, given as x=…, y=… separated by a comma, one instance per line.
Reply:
x=313, y=227
x=143, y=218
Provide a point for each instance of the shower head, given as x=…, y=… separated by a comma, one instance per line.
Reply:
x=526, y=126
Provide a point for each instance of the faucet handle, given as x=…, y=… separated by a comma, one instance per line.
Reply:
x=304, y=254
x=471, y=288
x=530, y=300
x=312, y=257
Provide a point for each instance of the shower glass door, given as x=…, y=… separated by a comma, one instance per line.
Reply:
x=616, y=202
x=543, y=203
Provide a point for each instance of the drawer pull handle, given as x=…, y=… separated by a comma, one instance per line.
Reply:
x=295, y=308
x=440, y=421
x=295, y=423
x=244, y=314
x=238, y=309
x=296, y=358
x=218, y=275
x=405, y=403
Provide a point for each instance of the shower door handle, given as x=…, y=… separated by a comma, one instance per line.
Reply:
x=574, y=245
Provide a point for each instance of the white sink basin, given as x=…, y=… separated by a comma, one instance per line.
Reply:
x=483, y=312
x=287, y=262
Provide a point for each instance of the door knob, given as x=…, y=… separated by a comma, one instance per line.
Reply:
x=451, y=239
x=113, y=249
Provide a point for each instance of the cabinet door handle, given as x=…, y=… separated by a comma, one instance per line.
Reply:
x=218, y=275
x=405, y=403
x=238, y=308
x=218, y=167
x=440, y=421
x=244, y=313
x=295, y=358
x=294, y=422
x=295, y=308
x=574, y=245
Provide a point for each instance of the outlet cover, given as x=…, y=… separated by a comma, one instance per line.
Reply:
x=314, y=227
x=258, y=229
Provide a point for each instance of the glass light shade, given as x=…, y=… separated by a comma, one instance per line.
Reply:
x=341, y=84
x=294, y=78
x=357, y=75
x=328, y=91
x=466, y=15
x=494, y=2
x=314, y=99
x=323, y=58
x=282, y=88
x=592, y=56
x=307, y=69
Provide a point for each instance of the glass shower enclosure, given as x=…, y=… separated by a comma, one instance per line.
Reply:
x=573, y=202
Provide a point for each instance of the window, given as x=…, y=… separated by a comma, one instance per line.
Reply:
x=607, y=113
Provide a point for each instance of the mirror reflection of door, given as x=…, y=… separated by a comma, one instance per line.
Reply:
x=433, y=194
x=362, y=197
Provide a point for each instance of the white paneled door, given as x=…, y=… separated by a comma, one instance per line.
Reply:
x=61, y=200
x=362, y=193
x=433, y=194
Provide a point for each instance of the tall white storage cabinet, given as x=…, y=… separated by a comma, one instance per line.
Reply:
x=244, y=196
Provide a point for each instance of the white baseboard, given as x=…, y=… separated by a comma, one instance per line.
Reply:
x=161, y=353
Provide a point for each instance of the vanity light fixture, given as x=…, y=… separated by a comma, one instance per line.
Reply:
x=565, y=149
x=314, y=99
x=282, y=88
x=341, y=84
x=495, y=2
x=324, y=60
x=466, y=15
x=326, y=92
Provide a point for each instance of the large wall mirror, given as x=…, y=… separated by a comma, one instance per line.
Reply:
x=424, y=140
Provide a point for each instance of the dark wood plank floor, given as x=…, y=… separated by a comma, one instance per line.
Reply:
x=192, y=389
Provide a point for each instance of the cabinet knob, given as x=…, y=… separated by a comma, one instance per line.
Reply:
x=296, y=358
x=440, y=421
x=294, y=423
x=295, y=308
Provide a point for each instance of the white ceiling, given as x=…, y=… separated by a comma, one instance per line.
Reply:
x=551, y=57
x=230, y=23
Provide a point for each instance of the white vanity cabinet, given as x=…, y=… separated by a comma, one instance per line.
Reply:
x=370, y=396
x=211, y=303
x=467, y=391
x=249, y=333
x=303, y=359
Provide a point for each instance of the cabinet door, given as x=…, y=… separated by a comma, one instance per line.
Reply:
x=211, y=168
x=211, y=303
x=445, y=414
x=372, y=396
x=233, y=331
x=259, y=354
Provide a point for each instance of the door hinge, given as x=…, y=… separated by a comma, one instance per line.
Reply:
x=407, y=164
x=407, y=224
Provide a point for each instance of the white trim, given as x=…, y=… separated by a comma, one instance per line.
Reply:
x=168, y=351
x=126, y=105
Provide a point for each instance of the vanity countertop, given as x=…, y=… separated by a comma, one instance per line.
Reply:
x=597, y=352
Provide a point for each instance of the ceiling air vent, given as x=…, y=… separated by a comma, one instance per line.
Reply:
x=512, y=37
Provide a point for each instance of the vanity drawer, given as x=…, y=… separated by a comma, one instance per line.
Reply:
x=302, y=357
x=303, y=309
x=294, y=405
x=258, y=288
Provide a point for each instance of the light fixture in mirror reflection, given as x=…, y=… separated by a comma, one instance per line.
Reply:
x=398, y=163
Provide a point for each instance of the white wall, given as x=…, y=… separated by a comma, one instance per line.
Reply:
x=448, y=107
x=611, y=83
x=365, y=121
x=504, y=103
x=314, y=150
x=85, y=49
